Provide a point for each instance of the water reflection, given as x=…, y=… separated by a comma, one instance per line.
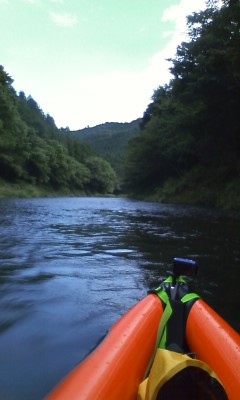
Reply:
x=210, y=237
x=70, y=267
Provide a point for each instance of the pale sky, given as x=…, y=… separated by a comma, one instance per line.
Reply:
x=87, y=62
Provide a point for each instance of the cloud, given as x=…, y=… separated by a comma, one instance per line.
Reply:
x=36, y=1
x=97, y=98
x=121, y=95
x=159, y=66
x=31, y=1
x=93, y=98
x=64, y=20
x=177, y=13
x=167, y=34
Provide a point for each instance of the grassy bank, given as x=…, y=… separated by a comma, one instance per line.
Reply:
x=26, y=190
x=21, y=190
x=177, y=191
x=206, y=192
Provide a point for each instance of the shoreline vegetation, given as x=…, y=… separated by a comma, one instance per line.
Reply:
x=184, y=150
x=188, y=150
x=221, y=197
x=225, y=197
x=28, y=190
x=23, y=190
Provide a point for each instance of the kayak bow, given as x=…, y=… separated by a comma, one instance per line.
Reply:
x=115, y=369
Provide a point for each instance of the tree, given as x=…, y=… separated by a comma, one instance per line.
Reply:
x=33, y=150
x=102, y=179
x=193, y=122
x=13, y=132
x=206, y=70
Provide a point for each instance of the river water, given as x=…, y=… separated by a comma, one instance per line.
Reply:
x=69, y=267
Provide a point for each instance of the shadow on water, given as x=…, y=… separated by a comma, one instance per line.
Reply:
x=208, y=236
x=69, y=267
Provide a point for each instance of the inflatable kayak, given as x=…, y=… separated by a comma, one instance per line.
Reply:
x=136, y=360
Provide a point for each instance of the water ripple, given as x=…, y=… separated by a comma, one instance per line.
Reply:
x=69, y=267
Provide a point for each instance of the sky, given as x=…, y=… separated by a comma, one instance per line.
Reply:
x=87, y=62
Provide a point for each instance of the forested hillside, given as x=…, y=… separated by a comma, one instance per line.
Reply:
x=189, y=146
x=110, y=141
x=34, y=152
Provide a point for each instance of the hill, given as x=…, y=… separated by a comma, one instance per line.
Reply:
x=110, y=140
x=35, y=153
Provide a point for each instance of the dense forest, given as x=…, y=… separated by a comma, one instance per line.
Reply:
x=189, y=146
x=35, y=153
x=110, y=141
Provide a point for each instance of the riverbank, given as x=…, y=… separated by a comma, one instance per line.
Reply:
x=26, y=190
x=175, y=191
x=206, y=193
x=199, y=187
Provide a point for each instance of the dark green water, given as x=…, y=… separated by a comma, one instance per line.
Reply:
x=69, y=267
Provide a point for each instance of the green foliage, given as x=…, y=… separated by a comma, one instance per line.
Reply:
x=13, y=132
x=102, y=175
x=34, y=151
x=41, y=124
x=110, y=141
x=37, y=163
x=193, y=123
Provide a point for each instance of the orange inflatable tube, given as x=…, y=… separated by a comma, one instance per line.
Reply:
x=217, y=344
x=116, y=367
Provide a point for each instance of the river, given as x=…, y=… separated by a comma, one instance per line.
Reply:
x=69, y=267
